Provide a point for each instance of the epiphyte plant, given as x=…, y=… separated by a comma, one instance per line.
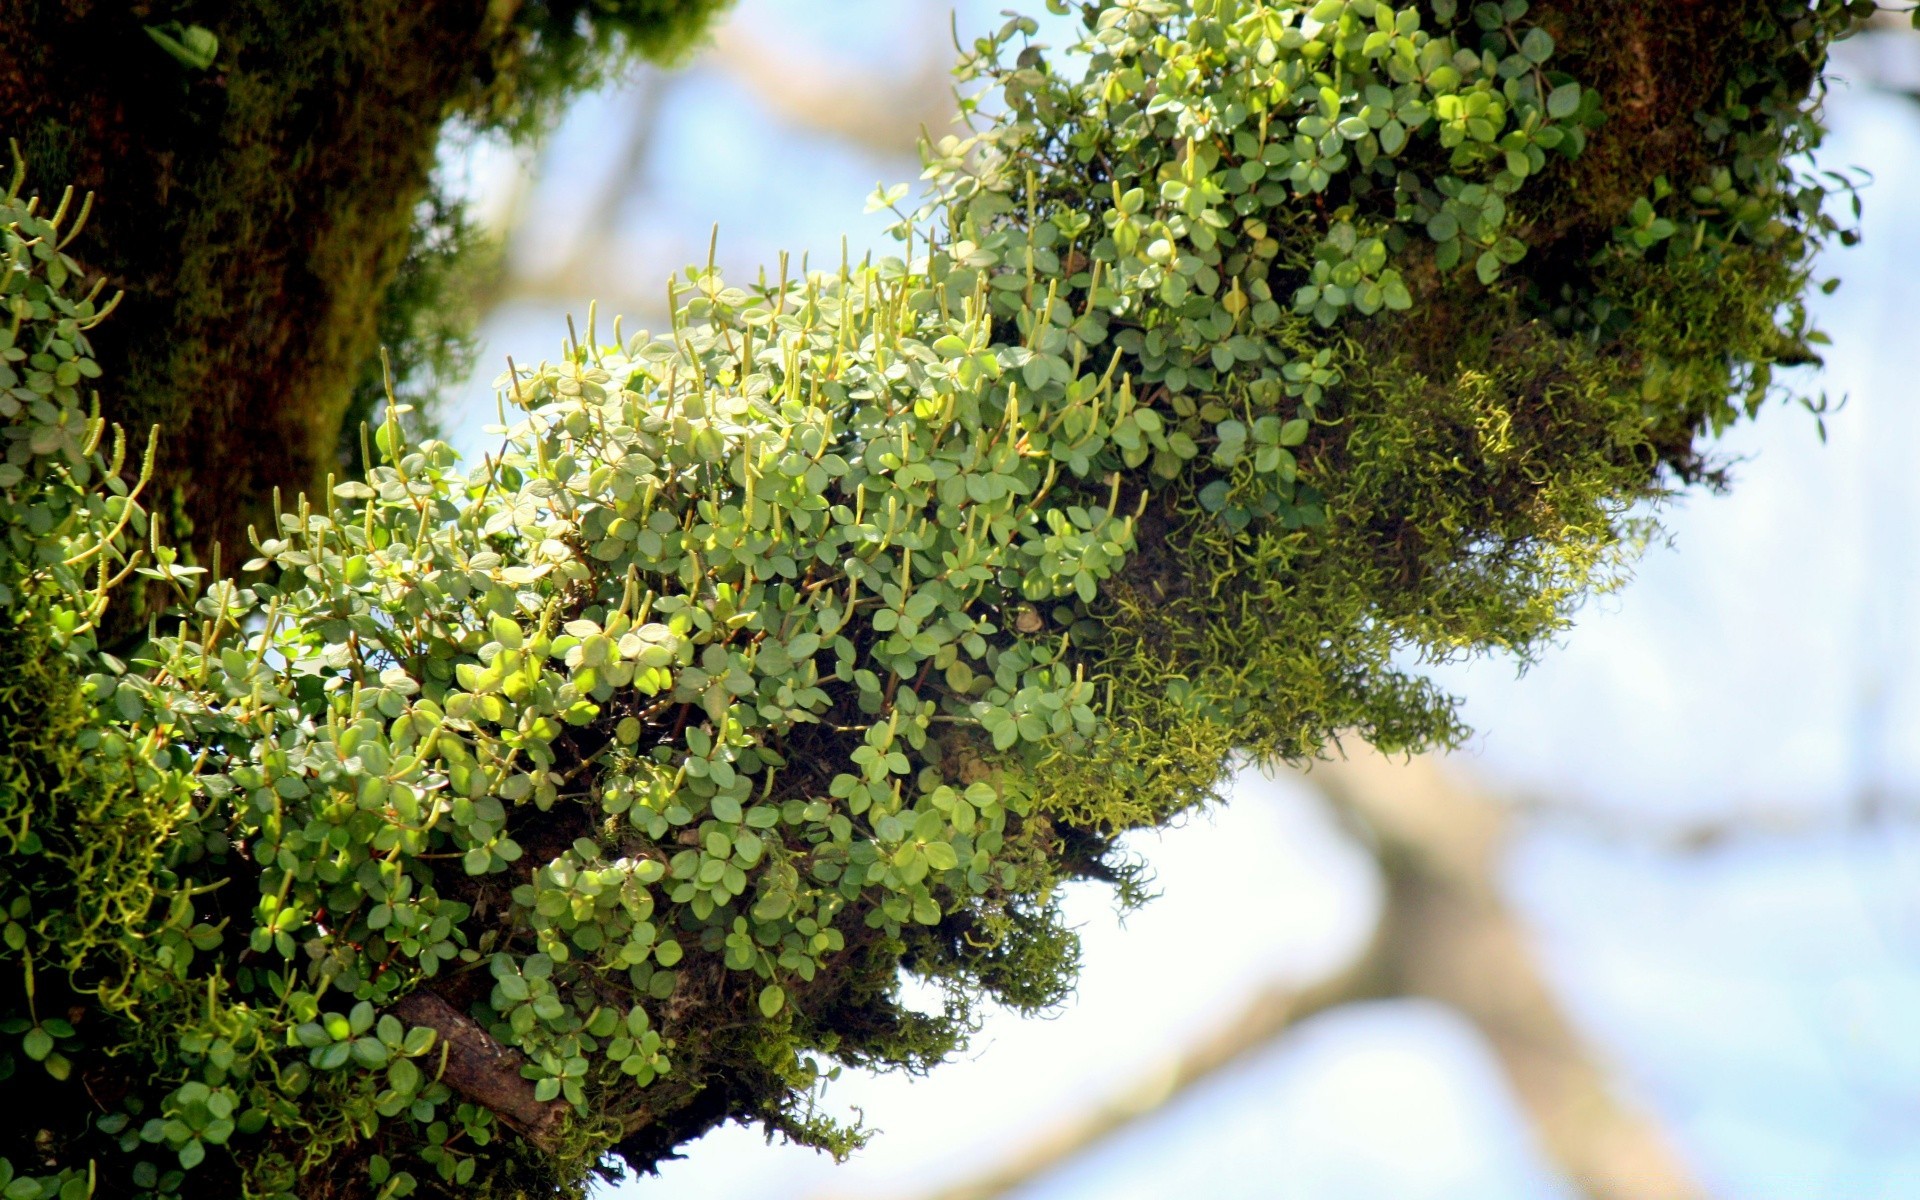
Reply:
x=1231, y=367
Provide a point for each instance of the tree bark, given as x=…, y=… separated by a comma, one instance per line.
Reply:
x=253, y=211
x=470, y=1062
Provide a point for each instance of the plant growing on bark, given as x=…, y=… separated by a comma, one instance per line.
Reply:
x=499, y=817
x=267, y=205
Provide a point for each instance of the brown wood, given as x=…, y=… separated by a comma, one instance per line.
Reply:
x=470, y=1062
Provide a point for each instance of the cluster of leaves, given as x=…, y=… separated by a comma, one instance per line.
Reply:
x=824, y=633
x=1759, y=212
x=1215, y=150
x=82, y=845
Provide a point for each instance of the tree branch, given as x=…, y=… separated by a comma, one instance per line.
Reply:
x=884, y=115
x=1449, y=936
x=483, y=1070
x=1271, y=1012
x=1445, y=934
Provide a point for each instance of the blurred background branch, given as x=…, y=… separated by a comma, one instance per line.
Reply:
x=883, y=111
x=810, y=91
x=1446, y=934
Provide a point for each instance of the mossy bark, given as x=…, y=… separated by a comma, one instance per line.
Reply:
x=254, y=212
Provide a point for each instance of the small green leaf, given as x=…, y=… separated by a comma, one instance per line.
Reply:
x=403, y=1076
x=772, y=998
x=418, y=1041
x=369, y=1052
x=332, y=1058
x=193, y=46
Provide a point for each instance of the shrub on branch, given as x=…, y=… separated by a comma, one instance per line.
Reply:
x=497, y=818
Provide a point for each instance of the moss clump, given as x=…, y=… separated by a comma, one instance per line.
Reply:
x=89, y=842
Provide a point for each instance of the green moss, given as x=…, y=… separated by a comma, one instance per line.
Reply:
x=426, y=325
x=83, y=901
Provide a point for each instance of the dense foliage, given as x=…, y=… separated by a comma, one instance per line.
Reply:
x=267, y=205
x=1243, y=359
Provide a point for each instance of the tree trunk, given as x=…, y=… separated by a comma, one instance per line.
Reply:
x=254, y=212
